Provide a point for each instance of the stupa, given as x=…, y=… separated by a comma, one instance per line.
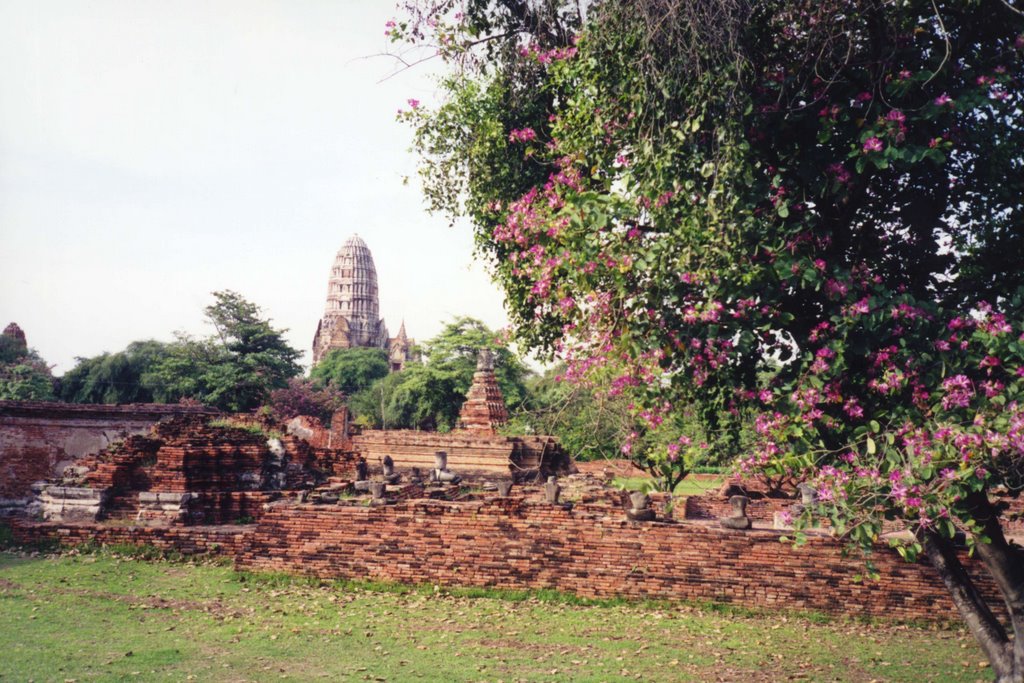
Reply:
x=484, y=409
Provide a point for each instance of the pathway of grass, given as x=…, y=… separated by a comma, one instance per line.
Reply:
x=105, y=618
x=691, y=486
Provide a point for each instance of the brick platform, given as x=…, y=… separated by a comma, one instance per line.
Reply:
x=469, y=453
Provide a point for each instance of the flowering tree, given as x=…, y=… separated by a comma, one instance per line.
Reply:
x=811, y=208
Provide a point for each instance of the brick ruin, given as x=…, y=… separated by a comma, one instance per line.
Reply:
x=387, y=506
x=531, y=537
x=38, y=440
x=484, y=410
x=191, y=470
x=476, y=449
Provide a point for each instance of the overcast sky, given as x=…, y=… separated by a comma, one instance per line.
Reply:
x=153, y=152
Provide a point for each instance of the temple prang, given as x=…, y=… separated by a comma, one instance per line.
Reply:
x=352, y=313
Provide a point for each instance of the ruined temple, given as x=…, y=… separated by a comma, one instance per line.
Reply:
x=16, y=335
x=352, y=314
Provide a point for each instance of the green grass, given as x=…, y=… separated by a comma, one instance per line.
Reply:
x=687, y=487
x=102, y=617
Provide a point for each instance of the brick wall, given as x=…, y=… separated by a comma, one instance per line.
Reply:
x=39, y=439
x=716, y=507
x=589, y=550
x=226, y=540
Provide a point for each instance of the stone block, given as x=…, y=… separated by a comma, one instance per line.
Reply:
x=74, y=493
x=164, y=498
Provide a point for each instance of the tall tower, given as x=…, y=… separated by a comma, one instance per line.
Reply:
x=351, y=316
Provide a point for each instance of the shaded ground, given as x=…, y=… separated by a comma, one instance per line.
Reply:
x=104, y=618
x=619, y=467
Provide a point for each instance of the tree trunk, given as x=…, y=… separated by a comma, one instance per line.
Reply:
x=1005, y=563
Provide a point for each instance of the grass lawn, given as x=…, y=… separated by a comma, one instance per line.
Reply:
x=101, y=617
x=691, y=486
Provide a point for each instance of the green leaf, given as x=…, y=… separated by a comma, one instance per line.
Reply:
x=871, y=446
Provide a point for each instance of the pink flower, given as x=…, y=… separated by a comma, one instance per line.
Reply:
x=959, y=392
x=896, y=115
x=873, y=144
x=943, y=100
x=414, y=103
x=842, y=176
x=522, y=135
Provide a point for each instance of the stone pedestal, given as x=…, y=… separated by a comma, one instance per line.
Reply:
x=72, y=504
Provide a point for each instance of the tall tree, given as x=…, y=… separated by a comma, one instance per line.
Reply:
x=812, y=208
x=456, y=350
x=235, y=369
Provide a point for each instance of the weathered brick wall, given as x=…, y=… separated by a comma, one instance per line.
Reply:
x=716, y=507
x=228, y=507
x=467, y=452
x=39, y=439
x=589, y=550
x=213, y=540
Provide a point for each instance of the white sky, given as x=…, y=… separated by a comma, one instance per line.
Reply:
x=152, y=152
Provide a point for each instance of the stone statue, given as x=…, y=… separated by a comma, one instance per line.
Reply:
x=441, y=474
x=362, y=482
x=390, y=476
x=485, y=361
x=738, y=519
x=640, y=510
x=552, y=491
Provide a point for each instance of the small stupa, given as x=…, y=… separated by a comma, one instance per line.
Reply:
x=484, y=409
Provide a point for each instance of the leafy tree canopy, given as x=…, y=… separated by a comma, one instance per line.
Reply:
x=350, y=370
x=592, y=421
x=122, y=377
x=814, y=209
x=457, y=347
x=235, y=369
x=24, y=376
x=429, y=395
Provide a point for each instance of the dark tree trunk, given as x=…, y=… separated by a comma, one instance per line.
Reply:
x=1005, y=564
